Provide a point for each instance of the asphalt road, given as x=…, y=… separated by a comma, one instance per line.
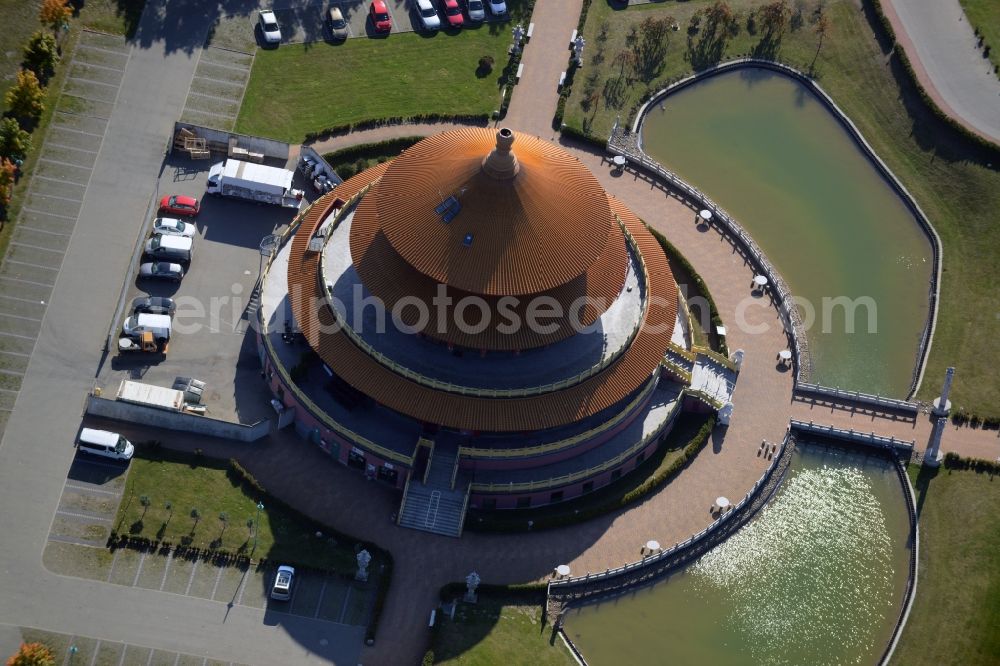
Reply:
x=946, y=47
x=36, y=451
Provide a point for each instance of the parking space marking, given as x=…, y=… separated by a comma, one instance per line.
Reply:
x=97, y=649
x=12, y=373
x=84, y=516
x=36, y=247
x=94, y=64
x=343, y=609
x=138, y=569
x=90, y=47
x=69, y=164
x=59, y=180
x=4, y=314
x=99, y=83
x=89, y=99
x=85, y=461
x=322, y=593
x=210, y=113
x=53, y=196
x=12, y=353
x=243, y=586
x=38, y=266
x=218, y=577
x=37, y=284
x=87, y=489
x=194, y=567
x=42, y=212
x=52, y=144
x=67, y=128
x=45, y=231
x=235, y=68
x=235, y=84
x=114, y=561
x=166, y=568
x=198, y=94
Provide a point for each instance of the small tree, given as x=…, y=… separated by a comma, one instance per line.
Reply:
x=32, y=654
x=14, y=141
x=54, y=13
x=196, y=514
x=774, y=18
x=145, y=502
x=41, y=54
x=651, y=48
x=486, y=64
x=169, y=506
x=26, y=99
x=7, y=171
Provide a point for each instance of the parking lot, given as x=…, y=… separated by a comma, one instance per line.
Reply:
x=89, y=502
x=217, y=88
x=211, y=338
x=53, y=201
x=303, y=21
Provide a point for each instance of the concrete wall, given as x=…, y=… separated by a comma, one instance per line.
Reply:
x=151, y=416
x=268, y=147
x=308, y=151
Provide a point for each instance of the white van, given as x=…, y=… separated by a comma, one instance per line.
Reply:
x=168, y=247
x=157, y=324
x=105, y=443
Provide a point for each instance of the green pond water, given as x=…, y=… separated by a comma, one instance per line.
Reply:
x=817, y=578
x=770, y=153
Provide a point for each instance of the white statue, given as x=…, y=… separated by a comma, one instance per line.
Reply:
x=364, y=559
x=518, y=33
x=471, y=583
x=578, y=45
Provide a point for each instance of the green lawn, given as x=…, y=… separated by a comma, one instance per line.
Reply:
x=957, y=609
x=985, y=15
x=307, y=88
x=947, y=175
x=118, y=17
x=496, y=631
x=208, y=488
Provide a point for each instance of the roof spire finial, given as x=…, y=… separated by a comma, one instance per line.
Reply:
x=501, y=163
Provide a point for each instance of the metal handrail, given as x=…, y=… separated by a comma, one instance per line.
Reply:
x=677, y=369
x=478, y=452
x=715, y=356
x=402, y=505
x=460, y=389
x=852, y=435
x=680, y=351
x=858, y=396
x=553, y=482
x=465, y=507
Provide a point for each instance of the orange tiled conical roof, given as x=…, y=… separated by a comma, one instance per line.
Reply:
x=529, y=222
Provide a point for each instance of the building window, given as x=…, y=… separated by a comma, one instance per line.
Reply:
x=588, y=487
x=388, y=474
x=523, y=502
x=489, y=504
x=556, y=497
x=356, y=459
x=615, y=475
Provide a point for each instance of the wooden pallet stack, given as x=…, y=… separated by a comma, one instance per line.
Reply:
x=192, y=144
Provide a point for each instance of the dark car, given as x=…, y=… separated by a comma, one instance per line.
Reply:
x=154, y=305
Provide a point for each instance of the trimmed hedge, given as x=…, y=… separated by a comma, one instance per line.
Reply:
x=675, y=256
x=585, y=138
x=346, y=161
x=973, y=420
x=475, y=118
x=955, y=461
x=510, y=520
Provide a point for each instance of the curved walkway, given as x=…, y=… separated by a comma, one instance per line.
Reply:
x=941, y=45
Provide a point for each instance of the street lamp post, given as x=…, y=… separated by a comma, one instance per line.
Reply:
x=256, y=529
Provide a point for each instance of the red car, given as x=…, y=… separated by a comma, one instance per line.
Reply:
x=379, y=14
x=178, y=204
x=452, y=13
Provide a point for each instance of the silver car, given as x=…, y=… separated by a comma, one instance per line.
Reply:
x=338, y=26
x=282, y=588
x=161, y=270
x=475, y=10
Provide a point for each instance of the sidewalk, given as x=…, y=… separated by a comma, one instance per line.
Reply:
x=941, y=45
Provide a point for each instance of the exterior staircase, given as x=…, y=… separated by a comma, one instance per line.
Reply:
x=430, y=504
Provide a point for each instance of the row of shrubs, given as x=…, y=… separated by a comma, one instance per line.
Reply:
x=963, y=417
x=347, y=128
x=675, y=257
x=25, y=100
x=353, y=160
x=513, y=521
x=955, y=461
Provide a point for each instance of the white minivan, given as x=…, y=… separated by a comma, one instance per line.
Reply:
x=157, y=324
x=105, y=443
x=168, y=247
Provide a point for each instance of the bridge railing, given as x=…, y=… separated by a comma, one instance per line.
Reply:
x=858, y=396
x=865, y=438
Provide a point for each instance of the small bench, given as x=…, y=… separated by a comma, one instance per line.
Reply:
x=572, y=39
x=562, y=79
x=531, y=29
x=520, y=70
